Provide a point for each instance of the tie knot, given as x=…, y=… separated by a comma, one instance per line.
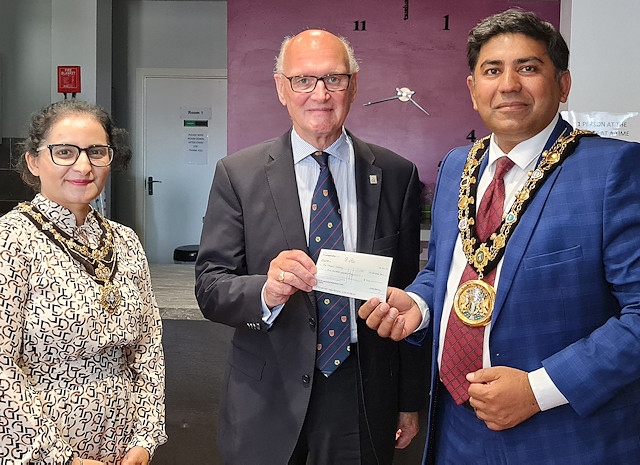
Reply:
x=321, y=157
x=503, y=165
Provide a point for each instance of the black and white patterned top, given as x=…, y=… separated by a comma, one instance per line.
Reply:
x=75, y=378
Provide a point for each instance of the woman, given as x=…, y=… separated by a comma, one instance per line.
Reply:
x=82, y=378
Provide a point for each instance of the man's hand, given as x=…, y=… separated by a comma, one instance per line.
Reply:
x=502, y=397
x=397, y=318
x=408, y=427
x=290, y=271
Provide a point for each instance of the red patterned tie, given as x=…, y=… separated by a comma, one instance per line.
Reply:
x=462, y=351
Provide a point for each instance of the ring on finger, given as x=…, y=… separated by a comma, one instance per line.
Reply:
x=281, y=276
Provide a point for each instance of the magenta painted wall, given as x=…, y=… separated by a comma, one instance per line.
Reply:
x=425, y=53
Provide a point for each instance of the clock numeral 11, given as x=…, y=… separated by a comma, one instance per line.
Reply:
x=360, y=25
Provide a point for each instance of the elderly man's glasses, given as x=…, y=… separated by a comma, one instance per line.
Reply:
x=332, y=82
x=67, y=154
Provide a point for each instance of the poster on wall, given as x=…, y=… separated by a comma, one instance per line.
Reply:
x=625, y=126
x=195, y=122
x=196, y=143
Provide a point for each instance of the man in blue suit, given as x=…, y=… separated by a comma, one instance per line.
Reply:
x=558, y=375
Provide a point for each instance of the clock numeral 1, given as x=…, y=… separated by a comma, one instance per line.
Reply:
x=360, y=25
x=472, y=135
x=406, y=9
x=446, y=23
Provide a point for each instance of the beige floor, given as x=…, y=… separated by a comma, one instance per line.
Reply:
x=174, y=289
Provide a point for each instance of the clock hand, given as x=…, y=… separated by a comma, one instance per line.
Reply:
x=404, y=94
x=378, y=101
x=416, y=104
x=400, y=95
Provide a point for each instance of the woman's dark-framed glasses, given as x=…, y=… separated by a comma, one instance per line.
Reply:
x=68, y=154
x=332, y=82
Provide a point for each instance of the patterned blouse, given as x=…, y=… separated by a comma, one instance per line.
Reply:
x=75, y=378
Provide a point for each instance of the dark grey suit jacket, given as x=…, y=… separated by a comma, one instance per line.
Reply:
x=254, y=214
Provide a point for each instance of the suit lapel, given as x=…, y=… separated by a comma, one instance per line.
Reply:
x=281, y=178
x=368, y=189
x=522, y=234
x=444, y=236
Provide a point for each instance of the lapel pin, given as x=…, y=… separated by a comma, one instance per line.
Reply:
x=373, y=179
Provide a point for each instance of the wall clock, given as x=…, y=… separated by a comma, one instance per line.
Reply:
x=417, y=45
x=403, y=94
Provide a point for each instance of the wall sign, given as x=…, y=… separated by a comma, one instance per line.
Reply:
x=195, y=122
x=625, y=126
x=69, y=79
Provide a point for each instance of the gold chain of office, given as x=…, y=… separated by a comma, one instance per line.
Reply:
x=101, y=263
x=484, y=256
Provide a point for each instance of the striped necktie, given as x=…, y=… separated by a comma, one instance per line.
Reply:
x=325, y=232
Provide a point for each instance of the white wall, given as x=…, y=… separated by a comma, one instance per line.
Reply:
x=604, y=43
x=25, y=51
x=163, y=34
x=38, y=35
x=146, y=34
x=158, y=34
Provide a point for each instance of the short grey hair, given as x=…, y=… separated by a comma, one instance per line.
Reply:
x=354, y=67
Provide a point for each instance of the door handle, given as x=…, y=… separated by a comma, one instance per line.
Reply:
x=150, y=182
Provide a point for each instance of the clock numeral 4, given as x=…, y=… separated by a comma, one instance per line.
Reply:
x=472, y=135
x=359, y=25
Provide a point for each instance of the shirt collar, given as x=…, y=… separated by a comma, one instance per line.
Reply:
x=302, y=149
x=63, y=217
x=526, y=151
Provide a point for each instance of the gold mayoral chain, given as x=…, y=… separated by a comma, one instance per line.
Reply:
x=474, y=299
x=101, y=263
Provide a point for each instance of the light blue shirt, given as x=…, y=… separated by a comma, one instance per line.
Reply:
x=343, y=171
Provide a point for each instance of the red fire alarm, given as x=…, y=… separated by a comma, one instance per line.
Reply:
x=69, y=79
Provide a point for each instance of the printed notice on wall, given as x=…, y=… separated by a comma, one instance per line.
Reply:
x=196, y=142
x=625, y=126
x=196, y=134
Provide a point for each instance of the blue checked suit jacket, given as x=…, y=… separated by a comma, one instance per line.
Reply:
x=568, y=299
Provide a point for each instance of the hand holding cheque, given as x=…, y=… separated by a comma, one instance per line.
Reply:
x=390, y=311
x=396, y=318
x=349, y=274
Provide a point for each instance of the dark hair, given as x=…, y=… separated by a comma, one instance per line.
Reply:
x=42, y=122
x=518, y=21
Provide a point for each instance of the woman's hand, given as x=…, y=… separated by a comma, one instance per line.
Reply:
x=76, y=461
x=136, y=456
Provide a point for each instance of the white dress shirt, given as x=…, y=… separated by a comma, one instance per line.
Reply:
x=525, y=156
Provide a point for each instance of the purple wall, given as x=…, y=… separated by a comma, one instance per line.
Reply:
x=419, y=53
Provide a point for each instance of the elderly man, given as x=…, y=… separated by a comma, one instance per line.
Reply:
x=306, y=378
